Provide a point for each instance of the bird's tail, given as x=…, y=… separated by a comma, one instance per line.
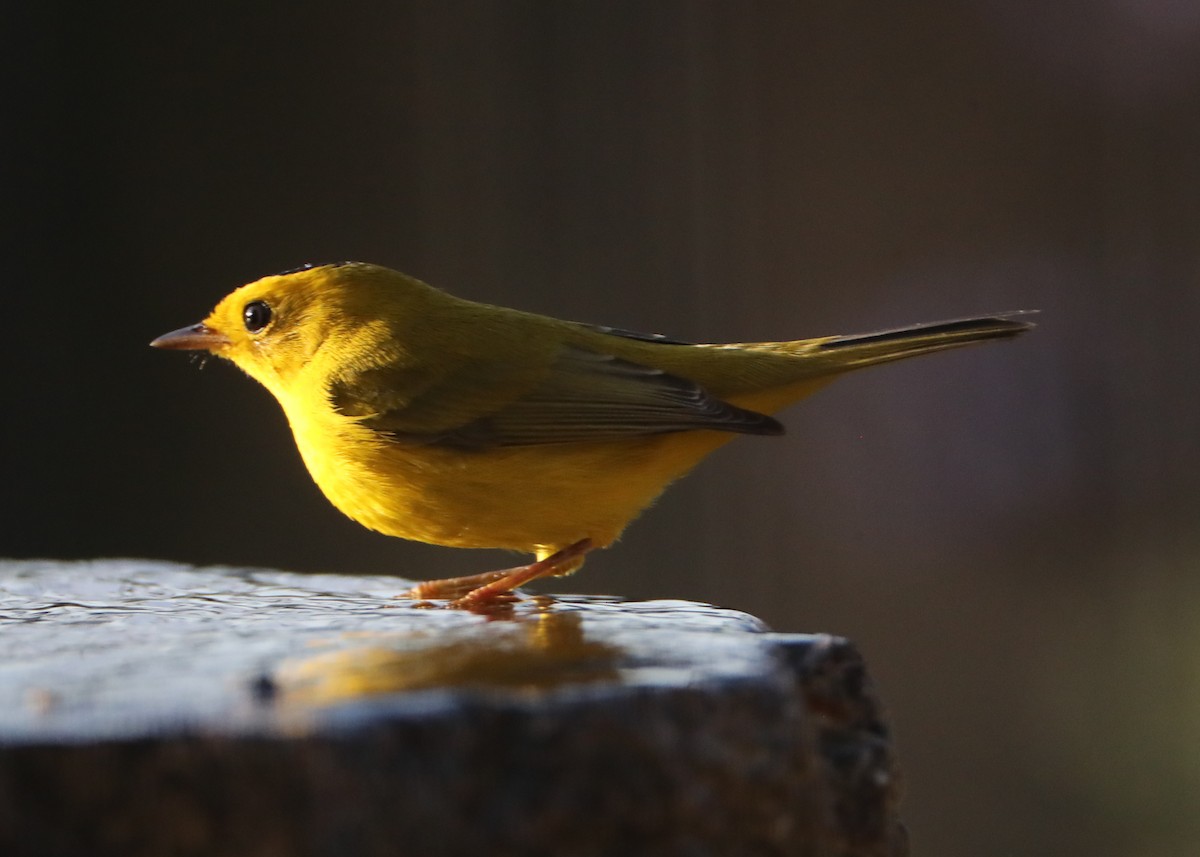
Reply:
x=795, y=369
x=836, y=354
x=868, y=349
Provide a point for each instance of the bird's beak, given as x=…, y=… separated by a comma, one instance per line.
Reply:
x=198, y=337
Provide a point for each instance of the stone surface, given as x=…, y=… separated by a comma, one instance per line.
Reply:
x=149, y=709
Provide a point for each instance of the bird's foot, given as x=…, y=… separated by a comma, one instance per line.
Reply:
x=456, y=587
x=503, y=587
x=496, y=587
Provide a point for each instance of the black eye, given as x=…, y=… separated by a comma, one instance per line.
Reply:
x=256, y=315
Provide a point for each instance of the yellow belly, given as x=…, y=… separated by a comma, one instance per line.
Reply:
x=536, y=499
x=530, y=499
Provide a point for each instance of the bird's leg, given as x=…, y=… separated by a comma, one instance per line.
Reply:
x=492, y=584
x=502, y=587
x=455, y=587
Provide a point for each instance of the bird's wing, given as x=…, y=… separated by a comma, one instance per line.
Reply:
x=581, y=396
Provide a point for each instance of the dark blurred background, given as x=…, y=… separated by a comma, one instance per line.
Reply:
x=1009, y=532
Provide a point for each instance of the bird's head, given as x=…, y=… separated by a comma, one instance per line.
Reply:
x=274, y=327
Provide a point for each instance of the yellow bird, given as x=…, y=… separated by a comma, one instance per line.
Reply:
x=433, y=418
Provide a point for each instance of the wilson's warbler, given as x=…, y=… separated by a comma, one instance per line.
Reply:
x=433, y=418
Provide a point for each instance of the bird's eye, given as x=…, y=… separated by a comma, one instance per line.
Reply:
x=256, y=315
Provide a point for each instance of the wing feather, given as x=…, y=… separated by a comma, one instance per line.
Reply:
x=582, y=396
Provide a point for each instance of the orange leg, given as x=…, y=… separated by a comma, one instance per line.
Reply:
x=455, y=587
x=497, y=586
x=501, y=588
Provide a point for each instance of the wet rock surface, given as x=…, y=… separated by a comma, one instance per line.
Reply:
x=148, y=708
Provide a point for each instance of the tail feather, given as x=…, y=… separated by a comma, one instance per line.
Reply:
x=868, y=349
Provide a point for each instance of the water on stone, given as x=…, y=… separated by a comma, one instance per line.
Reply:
x=116, y=648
